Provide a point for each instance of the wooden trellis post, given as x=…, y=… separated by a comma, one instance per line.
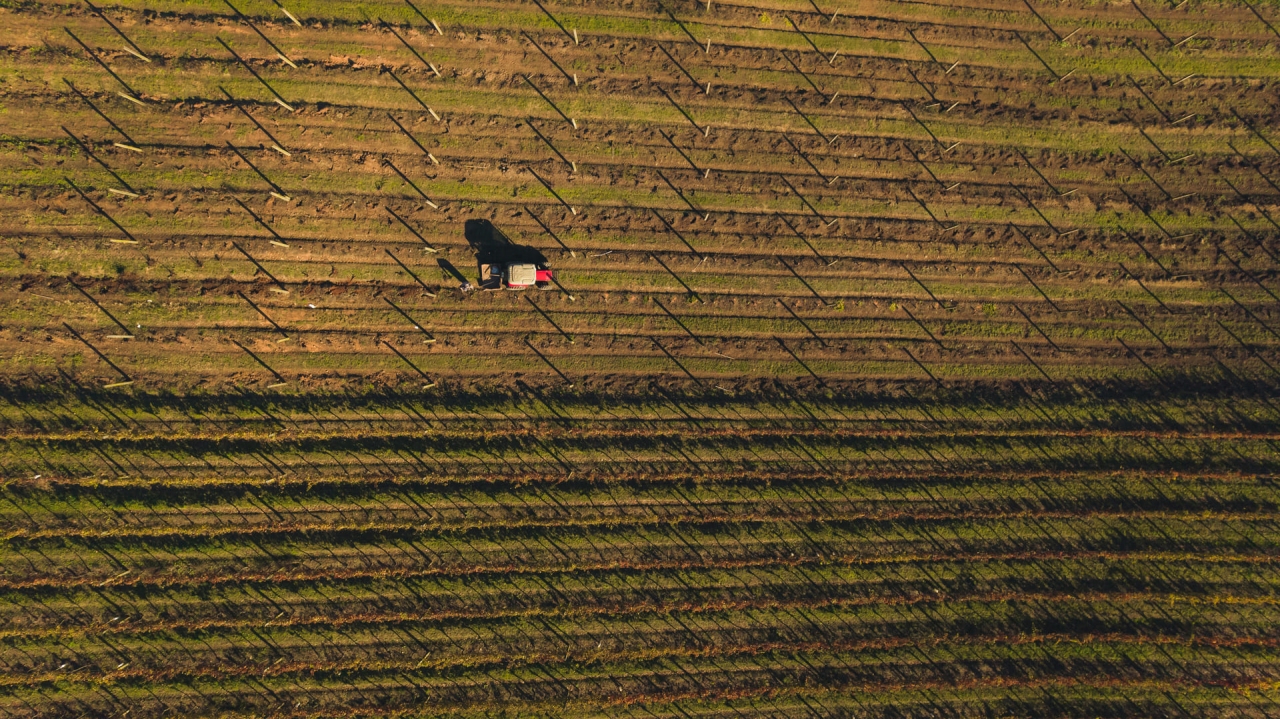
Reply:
x=132, y=46
x=548, y=100
x=128, y=191
x=129, y=143
x=131, y=95
x=812, y=44
x=706, y=131
x=275, y=144
x=131, y=241
x=267, y=40
x=411, y=183
x=571, y=35
x=276, y=192
x=571, y=77
x=277, y=240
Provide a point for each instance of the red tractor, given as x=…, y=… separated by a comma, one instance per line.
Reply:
x=515, y=276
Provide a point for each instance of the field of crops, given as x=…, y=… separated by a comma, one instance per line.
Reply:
x=900, y=358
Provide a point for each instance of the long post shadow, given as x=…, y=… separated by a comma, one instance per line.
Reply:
x=921, y=366
x=1036, y=209
x=133, y=95
x=676, y=232
x=276, y=191
x=802, y=280
x=806, y=202
x=804, y=239
x=425, y=377
x=265, y=316
x=550, y=321
x=1146, y=289
x=573, y=166
x=1248, y=274
x=416, y=325
x=923, y=286
x=677, y=320
x=686, y=30
x=548, y=100
x=1167, y=117
x=1261, y=210
x=692, y=207
x=548, y=362
x=704, y=130
x=705, y=173
x=799, y=361
x=91, y=298
x=278, y=241
x=412, y=274
x=1032, y=322
x=409, y=47
x=804, y=324
x=411, y=183
x=1146, y=252
x=1248, y=312
x=571, y=77
x=410, y=228
x=1248, y=348
x=571, y=35
x=1148, y=215
x=260, y=34
x=134, y=46
x=549, y=231
x=280, y=380
x=944, y=147
x=1138, y=357
x=132, y=240
x=927, y=90
x=941, y=225
x=810, y=122
x=1168, y=196
x=915, y=155
x=1252, y=237
x=677, y=278
x=279, y=100
x=829, y=98
x=677, y=362
x=131, y=144
x=413, y=139
x=704, y=89
x=276, y=144
x=1150, y=141
x=1035, y=247
x=922, y=326
x=104, y=358
x=1029, y=359
x=90, y=153
x=1033, y=284
x=552, y=190
x=1040, y=174
x=1044, y=22
x=261, y=269
x=412, y=94
x=807, y=161
x=1047, y=66
x=1249, y=124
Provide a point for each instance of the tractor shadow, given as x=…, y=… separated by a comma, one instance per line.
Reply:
x=493, y=247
